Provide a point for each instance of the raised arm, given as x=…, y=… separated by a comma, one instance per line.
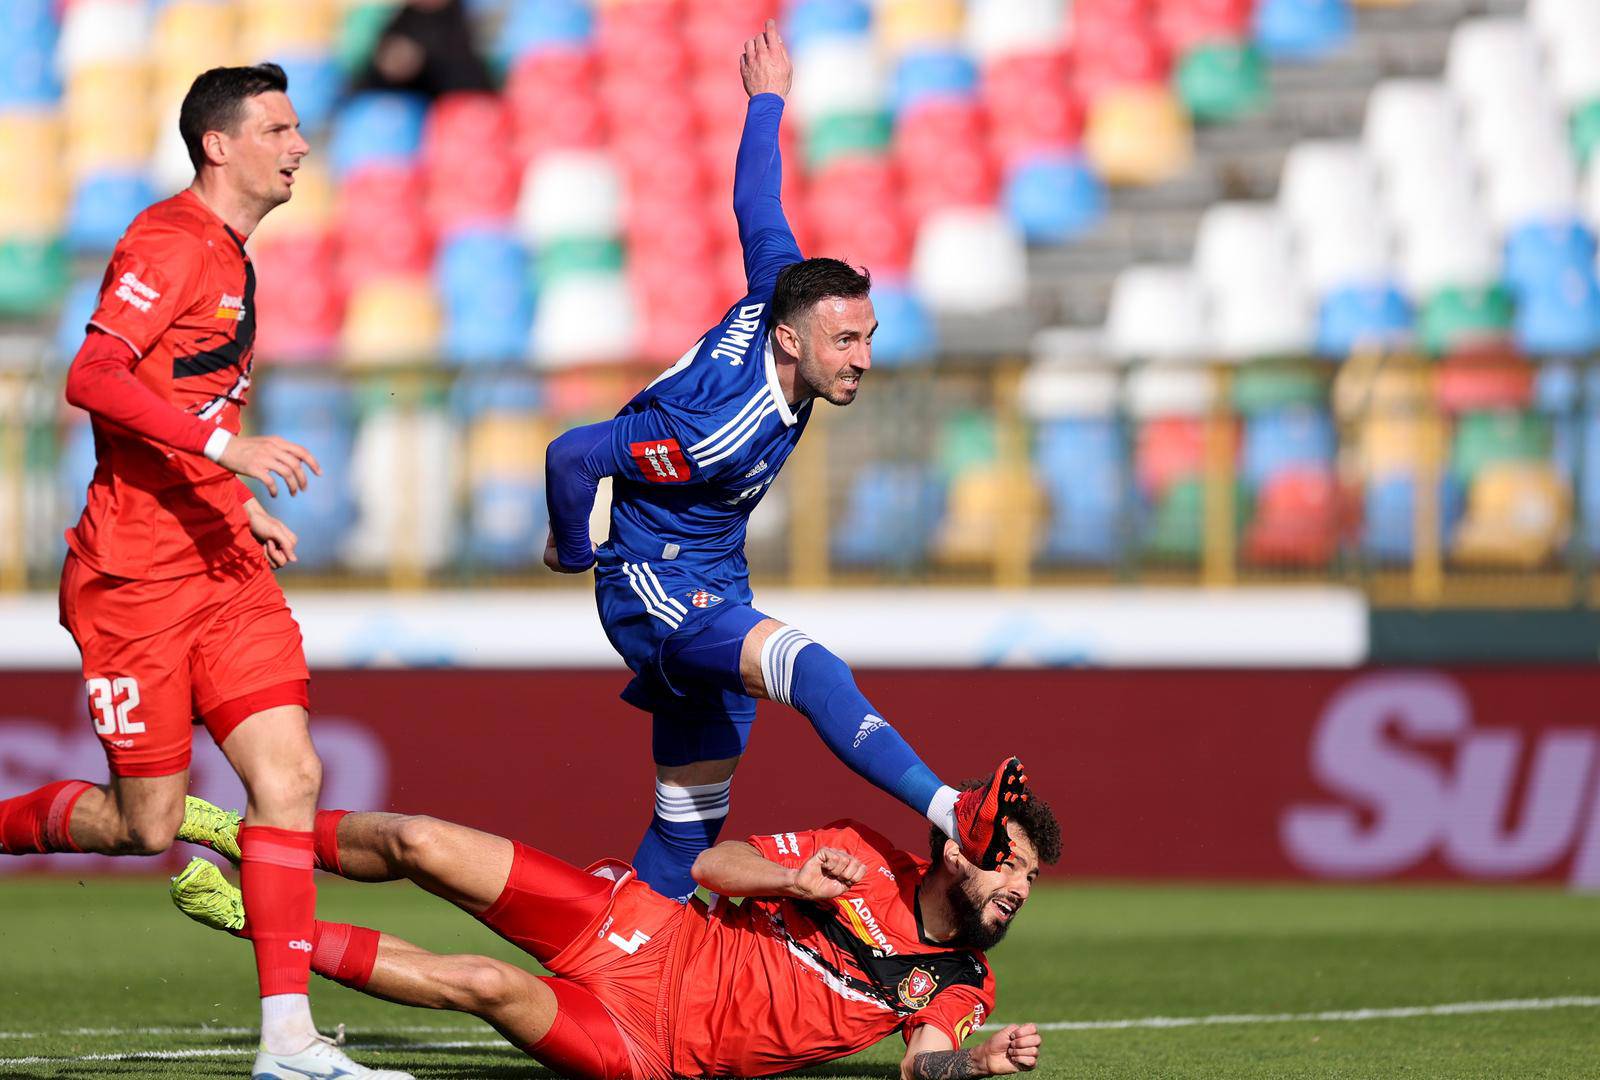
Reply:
x=930, y=1054
x=736, y=868
x=764, y=233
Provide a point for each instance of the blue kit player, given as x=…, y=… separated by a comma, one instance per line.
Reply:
x=690, y=457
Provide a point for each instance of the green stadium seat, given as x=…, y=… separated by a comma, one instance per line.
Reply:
x=34, y=275
x=358, y=33
x=1585, y=129
x=1489, y=438
x=1259, y=388
x=1222, y=81
x=1457, y=316
x=576, y=257
x=1177, y=530
x=846, y=134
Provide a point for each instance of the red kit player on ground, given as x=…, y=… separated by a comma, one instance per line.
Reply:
x=843, y=941
x=168, y=588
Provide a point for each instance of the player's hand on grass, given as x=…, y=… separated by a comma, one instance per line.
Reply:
x=267, y=457
x=277, y=539
x=827, y=874
x=765, y=64
x=1014, y=1048
x=552, y=558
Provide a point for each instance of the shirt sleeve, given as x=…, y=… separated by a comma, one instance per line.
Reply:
x=791, y=849
x=958, y=1012
x=764, y=233
x=149, y=283
x=101, y=381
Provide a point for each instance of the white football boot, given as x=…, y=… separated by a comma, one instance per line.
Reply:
x=322, y=1060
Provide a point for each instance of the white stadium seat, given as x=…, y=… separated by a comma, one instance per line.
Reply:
x=1157, y=313
x=1591, y=195
x=838, y=75
x=997, y=28
x=1060, y=391
x=969, y=261
x=1154, y=391
x=1262, y=315
x=584, y=319
x=1538, y=180
x=1575, y=61
x=1407, y=118
x=1240, y=239
x=1357, y=251
x=1326, y=183
x=1489, y=57
x=570, y=193
x=98, y=31
x=1455, y=246
x=419, y=453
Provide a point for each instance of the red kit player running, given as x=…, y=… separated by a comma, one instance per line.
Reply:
x=843, y=941
x=168, y=588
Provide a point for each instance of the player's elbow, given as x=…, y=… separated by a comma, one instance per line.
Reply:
x=701, y=871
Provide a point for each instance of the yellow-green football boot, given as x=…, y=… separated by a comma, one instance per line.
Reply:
x=203, y=894
x=211, y=827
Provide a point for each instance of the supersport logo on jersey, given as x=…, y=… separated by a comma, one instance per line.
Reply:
x=661, y=461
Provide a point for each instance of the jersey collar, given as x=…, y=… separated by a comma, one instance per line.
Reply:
x=786, y=413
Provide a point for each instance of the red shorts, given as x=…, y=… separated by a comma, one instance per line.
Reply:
x=157, y=655
x=616, y=962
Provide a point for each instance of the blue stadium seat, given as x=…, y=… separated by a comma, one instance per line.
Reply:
x=1390, y=521
x=1589, y=485
x=535, y=26
x=1560, y=317
x=1543, y=251
x=932, y=75
x=1362, y=316
x=473, y=395
x=75, y=312
x=102, y=206
x=506, y=522
x=810, y=21
x=315, y=84
x=482, y=278
x=906, y=333
x=74, y=470
x=1054, y=198
x=891, y=516
x=1284, y=439
x=317, y=413
x=27, y=54
x=1079, y=462
x=1302, y=29
x=377, y=128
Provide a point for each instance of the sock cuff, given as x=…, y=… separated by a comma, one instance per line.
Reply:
x=344, y=953
x=778, y=655
x=288, y=848
x=696, y=802
x=58, y=821
x=325, y=843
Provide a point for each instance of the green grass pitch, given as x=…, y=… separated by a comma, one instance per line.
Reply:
x=106, y=967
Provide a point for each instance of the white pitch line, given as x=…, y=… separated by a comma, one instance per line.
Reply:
x=1458, y=1008
x=237, y=1051
x=443, y=1029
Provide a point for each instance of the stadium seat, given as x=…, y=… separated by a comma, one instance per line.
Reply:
x=997, y=30
x=1407, y=116
x=271, y=27
x=1538, y=180
x=977, y=511
x=1157, y=313
x=505, y=471
x=838, y=76
x=317, y=413
x=1560, y=317
x=361, y=23
x=376, y=128
x=810, y=24
x=482, y=280
x=1296, y=519
x=1362, y=317
x=309, y=212
x=315, y=86
x=1054, y=198
x=391, y=320
x=537, y=26
x=28, y=35
x=1484, y=380
x=969, y=261
x=1390, y=518
x=1174, y=529
x=905, y=26
x=1489, y=57
x=76, y=309
x=1574, y=58
x=1063, y=387
x=1488, y=438
x=1518, y=515
x=932, y=75
x=1030, y=118
x=1300, y=30
x=1240, y=239
x=33, y=275
x=844, y=135
x=1271, y=388
x=100, y=31
x=102, y=206
x=1327, y=183
x=1448, y=251
x=1221, y=81
x=1293, y=438
x=570, y=193
x=191, y=35
x=417, y=452
x=1138, y=135
x=1338, y=255
x=1257, y=317
x=584, y=318
x=1078, y=463
x=889, y=518
x=1163, y=391
x=1186, y=24
x=1120, y=54
x=1454, y=318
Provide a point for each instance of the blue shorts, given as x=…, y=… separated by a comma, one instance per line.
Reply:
x=681, y=637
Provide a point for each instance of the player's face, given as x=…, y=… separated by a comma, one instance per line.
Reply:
x=987, y=901
x=836, y=347
x=267, y=149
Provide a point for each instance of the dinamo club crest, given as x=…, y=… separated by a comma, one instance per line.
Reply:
x=702, y=599
x=917, y=988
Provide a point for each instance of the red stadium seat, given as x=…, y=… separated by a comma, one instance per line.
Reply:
x=719, y=103
x=1168, y=449
x=928, y=132
x=671, y=230
x=628, y=33
x=381, y=224
x=298, y=290
x=1183, y=24
x=680, y=303
x=964, y=175
x=663, y=112
x=1051, y=119
x=460, y=124
x=1122, y=54
x=572, y=123
x=714, y=30
x=475, y=189
x=558, y=73
x=1484, y=380
x=1297, y=520
x=880, y=240
x=674, y=173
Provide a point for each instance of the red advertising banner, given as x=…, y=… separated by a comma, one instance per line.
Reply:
x=1480, y=774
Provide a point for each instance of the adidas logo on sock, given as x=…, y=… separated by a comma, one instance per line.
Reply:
x=869, y=724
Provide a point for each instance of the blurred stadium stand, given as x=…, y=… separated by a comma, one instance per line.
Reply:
x=1171, y=290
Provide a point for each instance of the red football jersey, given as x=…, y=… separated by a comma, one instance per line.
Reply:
x=180, y=292
x=776, y=984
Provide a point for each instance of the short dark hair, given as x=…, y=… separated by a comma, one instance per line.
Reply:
x=215, y=102
x=1034, y=817
x=802, y=284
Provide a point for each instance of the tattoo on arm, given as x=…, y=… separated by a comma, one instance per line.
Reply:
x=944, y=1065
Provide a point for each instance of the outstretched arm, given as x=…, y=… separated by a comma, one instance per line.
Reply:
x=768, y=242
x=736, y=868
x=573, y=466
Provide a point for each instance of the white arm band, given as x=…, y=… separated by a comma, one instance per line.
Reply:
x=217, y=443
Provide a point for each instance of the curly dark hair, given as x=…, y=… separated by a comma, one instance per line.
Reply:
x=1034, y=818
x=215, y=102
x=802, y=284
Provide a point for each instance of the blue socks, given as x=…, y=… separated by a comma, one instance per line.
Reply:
x=800, y=673
x=686, y=822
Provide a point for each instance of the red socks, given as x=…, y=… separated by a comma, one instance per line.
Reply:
x=326, y=832
x=36, y=823
x=280, y=902
x=344, y=953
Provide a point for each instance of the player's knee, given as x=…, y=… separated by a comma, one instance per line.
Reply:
x=417, y=838
x=794, y=666
x=480, y=985
x=151, y=832
x=292, y=785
